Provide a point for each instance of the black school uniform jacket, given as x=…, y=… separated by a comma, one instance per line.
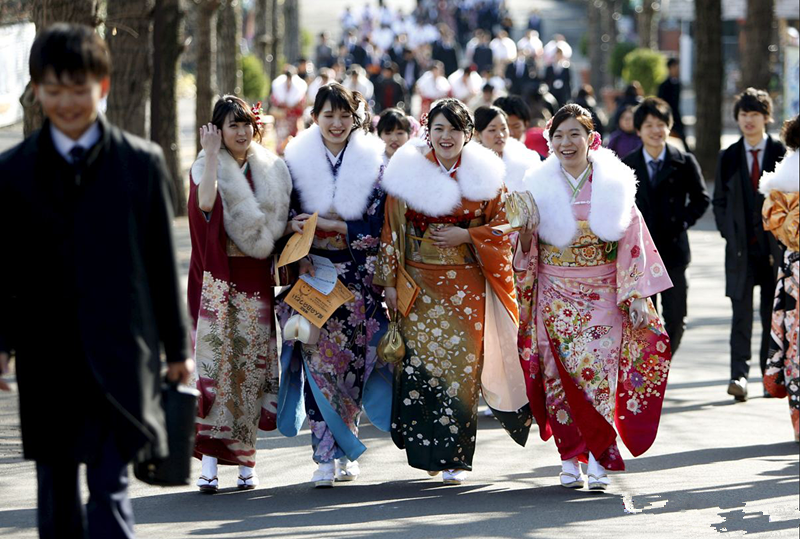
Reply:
x=89, y=293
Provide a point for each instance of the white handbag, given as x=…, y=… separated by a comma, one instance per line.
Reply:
x=299, y=328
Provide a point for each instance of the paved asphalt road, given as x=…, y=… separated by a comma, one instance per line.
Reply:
x=716, y=467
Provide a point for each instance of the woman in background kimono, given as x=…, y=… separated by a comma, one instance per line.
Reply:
x=289, y=99
x=491, y=130
x=593, y=348
x=780, y=211
x=336, y=168
x=444, y=198
x=238, y=205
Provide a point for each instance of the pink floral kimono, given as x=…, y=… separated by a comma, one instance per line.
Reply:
x=587, y=369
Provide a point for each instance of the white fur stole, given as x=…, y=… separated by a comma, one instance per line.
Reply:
x=348, y=195
x=785, y=178
x=519, y=161
x=613, y=196
x=427, y=189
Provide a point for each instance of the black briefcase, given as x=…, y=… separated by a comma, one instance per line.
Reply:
x=180, y=409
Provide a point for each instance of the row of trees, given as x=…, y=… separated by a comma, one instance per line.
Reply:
x=708, y=74
x=147, y=39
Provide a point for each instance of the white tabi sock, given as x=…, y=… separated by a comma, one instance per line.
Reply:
x=209, y=467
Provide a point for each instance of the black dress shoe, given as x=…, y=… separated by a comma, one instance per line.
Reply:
x=738, y=388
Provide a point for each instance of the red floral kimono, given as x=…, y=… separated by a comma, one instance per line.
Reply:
x=587, y=369
x=231, y=302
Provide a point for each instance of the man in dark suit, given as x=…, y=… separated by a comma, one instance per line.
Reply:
x=89, y=291
x=409, y=69
x=750, y=252
x=672, y=196
x=559, y=78
x=520, y=74
x=670, y=91
x=445, y=51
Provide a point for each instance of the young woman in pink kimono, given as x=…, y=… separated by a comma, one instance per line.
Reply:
x=591, y=343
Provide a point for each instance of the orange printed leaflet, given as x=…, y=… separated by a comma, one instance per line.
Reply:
x=407, y=291
x=314, y=305
x=299, y=245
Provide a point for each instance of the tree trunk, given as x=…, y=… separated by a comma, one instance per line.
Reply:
x=168, y=34
x=647, y=23
x=229, y=52
x=708, y=83
x=291, y=13
x=128, y=28
x=44, y=13
x=261, y=39
x=593, y=34
x=276, y=42
x=758, y=36
x=206, y=63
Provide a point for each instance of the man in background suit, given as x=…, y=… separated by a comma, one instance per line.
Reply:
x=672, y=196
x=670, y=91
x=750, y=252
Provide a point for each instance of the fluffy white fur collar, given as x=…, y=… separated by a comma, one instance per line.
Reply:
x=253, y=220
x=519, y=161
x=349, y=194
x=613, y=196
x=786, y=176
x=425, y=187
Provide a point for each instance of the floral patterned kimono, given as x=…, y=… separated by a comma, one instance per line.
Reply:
x=231, y=303
x=461, y=330
x=330, y=381
x=587, y=368
x=780, y=211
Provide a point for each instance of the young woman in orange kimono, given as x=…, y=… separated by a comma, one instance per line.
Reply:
x=444, y=200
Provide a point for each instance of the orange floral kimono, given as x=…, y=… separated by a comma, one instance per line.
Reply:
x=460, y=334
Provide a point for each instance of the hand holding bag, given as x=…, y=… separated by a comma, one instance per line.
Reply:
x=391, y=347
x=180, y=408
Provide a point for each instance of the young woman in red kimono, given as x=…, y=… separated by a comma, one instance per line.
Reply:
x=238, y=207
x=593, y=348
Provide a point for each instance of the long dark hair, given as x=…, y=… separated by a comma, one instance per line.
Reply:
x=230, y=104
x=342, y=99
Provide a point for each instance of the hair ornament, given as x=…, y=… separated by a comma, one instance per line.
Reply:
x=361, y=112
x=258, y=112
x=597, y=142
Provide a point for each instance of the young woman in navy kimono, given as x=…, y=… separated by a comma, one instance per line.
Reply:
x=336, y=167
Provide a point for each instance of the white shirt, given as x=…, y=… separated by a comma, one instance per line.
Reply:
x=648, y=159
x=573, y=181
x=760, y=146
x=64, y=144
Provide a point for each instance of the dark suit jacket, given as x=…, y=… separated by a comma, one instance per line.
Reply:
x=519, y=84
x=672, y=204
x=737, y=211
x=448, y=55
x=560, y=84
x=404, y=65
x=89, y=293
x=670, y=91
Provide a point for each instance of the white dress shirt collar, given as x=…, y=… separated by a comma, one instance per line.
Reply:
x=64, y=144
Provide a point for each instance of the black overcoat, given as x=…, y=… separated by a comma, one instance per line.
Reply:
x=89, y=293
x=672, y=204
x=737, y=211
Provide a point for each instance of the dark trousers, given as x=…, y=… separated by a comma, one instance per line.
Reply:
x=759, y=273
x=673, y=306
x=108, y=514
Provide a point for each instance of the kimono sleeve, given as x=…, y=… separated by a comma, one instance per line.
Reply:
x=391, y=250
x=640, y=271
x=493, y=249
